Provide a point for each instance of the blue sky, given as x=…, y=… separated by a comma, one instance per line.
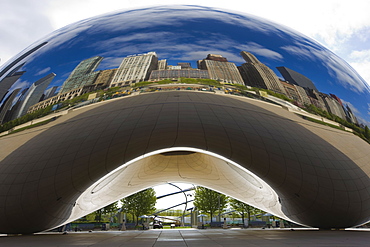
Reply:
x=340, y=25
x=197, y=32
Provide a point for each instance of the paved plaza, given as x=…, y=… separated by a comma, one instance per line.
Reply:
x=194, y=238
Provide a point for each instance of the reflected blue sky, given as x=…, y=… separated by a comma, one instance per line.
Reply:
x=188, y=34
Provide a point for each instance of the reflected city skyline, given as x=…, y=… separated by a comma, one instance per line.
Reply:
x=220, y=32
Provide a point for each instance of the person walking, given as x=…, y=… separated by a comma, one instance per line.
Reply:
x=123, y=228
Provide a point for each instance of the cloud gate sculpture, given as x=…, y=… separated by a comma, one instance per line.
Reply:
x=111, y=105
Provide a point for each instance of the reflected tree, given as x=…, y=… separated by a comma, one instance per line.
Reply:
x=243, y=209
x=140, y=203
x=209, y=201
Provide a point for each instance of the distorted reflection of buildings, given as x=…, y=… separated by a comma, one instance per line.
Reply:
x=9, y=80
x=220, y=69
x=147, y=67
x=182, y=70
x=34, y=94
x=5, y=109
x=257, y=74
x=135, y=68
x=296, y=78
x=82, y=75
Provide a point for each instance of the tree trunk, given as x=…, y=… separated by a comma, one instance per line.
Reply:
x=243, y=219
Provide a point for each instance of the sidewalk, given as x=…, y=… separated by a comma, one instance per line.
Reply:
x=193, y=238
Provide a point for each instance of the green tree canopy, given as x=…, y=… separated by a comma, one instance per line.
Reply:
x=104, y=211
x=243, y=209
x=140, y=203
x=209, y=201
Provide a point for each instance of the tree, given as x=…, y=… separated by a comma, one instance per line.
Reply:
x=367, y=132
x=243, y=209
x=209, y=201
x=104, y=211
x=140, y=203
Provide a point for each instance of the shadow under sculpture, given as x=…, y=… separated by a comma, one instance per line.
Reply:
x=254, y=151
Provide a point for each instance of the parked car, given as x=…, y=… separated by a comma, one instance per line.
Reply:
x=157, y=225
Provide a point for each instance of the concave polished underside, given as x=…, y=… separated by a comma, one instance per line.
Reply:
x=251, y=150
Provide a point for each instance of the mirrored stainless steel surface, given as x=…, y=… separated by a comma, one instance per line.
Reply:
x=258, y=101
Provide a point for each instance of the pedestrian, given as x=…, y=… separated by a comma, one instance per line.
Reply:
x=123, y=228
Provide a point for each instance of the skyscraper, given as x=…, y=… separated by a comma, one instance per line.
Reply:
x=6, y=106
x=162, y=64
x=7, y=82
x=296, y=78
x=105, y=77
x=135, y=68
x=257, y=74
x=82, y=75
x=34, y=94
x=220, y=69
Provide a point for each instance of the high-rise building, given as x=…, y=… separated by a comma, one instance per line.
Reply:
x=333, y=105
x=304, y=99
x=162, y=64
x=7, y=82
x=34, y=94
x=215, y=57
x=221, y=70
x=184, y=65
x=257, y=74
x=82, y=75
x=175, y=74
x=349, y=115
x=50, y=92
x=6, y=106
x=291, y=91
x=135, y=68
x=316, y=99
x=296, y=78
x=105, y=77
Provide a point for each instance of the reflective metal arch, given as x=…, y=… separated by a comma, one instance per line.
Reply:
x=319, y=174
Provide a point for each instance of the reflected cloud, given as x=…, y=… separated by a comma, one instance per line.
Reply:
x=44, y=71
x=189, y=34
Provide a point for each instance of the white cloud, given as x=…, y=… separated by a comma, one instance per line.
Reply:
x=360, y=61
x=332, y=63
x=41, y=72
x=332, y=22
x=22, y=22
x=257, y=49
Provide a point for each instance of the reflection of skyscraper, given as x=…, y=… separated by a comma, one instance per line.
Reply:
x=162, y=64
x=5, y=108
x=175, y=74
x=184, y=65
x=316, y=99
x=220, y=69
x=257, y=74
x=105, y=77
x=82, y=75
x=50, y=92
x=135, y=69
x=291, y=91
x=7, y=82
x=34, y=94
x=350, y=116
x=333, y=105
x=296, y=78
